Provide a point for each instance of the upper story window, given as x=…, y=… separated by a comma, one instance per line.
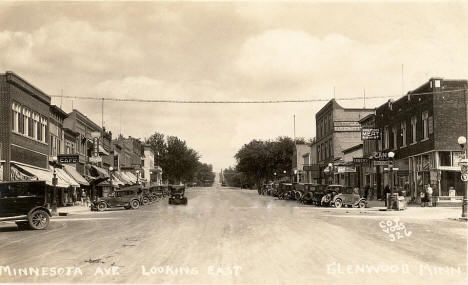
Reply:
x=16, y=110
x=386, y=138
x=395, y=137
x=425, y=125
x=403, y=133
x=414, y=121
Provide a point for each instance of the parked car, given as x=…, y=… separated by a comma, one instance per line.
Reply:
x=25, y=203
x=330, y=192
x=299, y=190
x=129, y=197
x=145, y=196
x=313, y=193
x=156, y=192
x=285, y=191
x=177, y=195
x=348, y=197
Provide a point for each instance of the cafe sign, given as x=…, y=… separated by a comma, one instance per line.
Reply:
x=68, y=158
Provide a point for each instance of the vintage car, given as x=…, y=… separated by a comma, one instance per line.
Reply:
x=313, y=193
x=348, y=197
x=156, y=192
x=329, y=194
x=285, y=191
x=129, y=197
x=25, y=203
x=146, y=197
x=177, y=195
x=299, y=190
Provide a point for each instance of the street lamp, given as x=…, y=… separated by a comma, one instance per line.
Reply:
x=391, y=155
x=138, y=176
x=274, y=174
x=110, y=177
x=54, y=183
x=464, y=169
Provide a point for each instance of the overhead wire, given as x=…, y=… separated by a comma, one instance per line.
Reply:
x=175, y=101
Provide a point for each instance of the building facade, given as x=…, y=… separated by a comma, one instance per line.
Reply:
x=24, y=132
x=422, y=129
x=299, y=151
x=337, y=129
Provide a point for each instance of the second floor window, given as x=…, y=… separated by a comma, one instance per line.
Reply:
x=386, y=138
x=395, y=137
x=414, y=121
x=403, y=134
x=425, y=125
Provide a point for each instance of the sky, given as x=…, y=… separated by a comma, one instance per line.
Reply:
x=229, y=51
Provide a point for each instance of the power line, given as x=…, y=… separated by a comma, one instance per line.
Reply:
x=242, y=101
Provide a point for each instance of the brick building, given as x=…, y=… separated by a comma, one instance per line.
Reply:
x=337, y=129
x=422, y=129
x=24, y=132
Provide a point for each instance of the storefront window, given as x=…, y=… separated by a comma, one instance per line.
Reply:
x=445, y=158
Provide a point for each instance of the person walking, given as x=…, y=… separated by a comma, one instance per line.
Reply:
x=429, y=192
x=422, y=195
x=83, y=197
x=386, y=191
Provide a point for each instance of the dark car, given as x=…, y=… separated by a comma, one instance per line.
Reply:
x=299, y=190
x=25, y=202
x=177, y=195
x=146, y=197
x=285, y=191
x=129, y=197
x=348, y=197
x=312, y=193
x=330, y=192
x=156, y=192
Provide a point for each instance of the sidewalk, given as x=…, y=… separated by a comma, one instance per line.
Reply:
x=78, y=209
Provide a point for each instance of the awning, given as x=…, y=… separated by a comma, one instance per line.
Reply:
x=76, y=175
x=45, y=175
x=132, y=176
x=101, y=172
x=125, y=178
x=64, y=176
x=116, y=180
x=102, y=150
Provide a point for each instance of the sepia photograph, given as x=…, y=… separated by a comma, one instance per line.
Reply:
x=234, y=142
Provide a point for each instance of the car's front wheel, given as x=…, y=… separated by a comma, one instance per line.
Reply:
x=338, y=203
x=101, y=206
x=39, y=219
x=362, y=204
x=145, y=201
x=135, y=204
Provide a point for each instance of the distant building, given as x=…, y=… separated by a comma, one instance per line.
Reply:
x=337, y=129
x=422, y=129
x=298, y=161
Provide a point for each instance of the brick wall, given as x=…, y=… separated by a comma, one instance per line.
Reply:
x=5, y=123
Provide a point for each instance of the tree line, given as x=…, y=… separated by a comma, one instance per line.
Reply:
x=259, y=160
x=179, y=162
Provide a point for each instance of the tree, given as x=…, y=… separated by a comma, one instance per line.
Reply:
x=258, y=160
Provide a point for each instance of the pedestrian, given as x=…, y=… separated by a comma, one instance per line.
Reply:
x=83, y=197
x=74, y=196
x=366, y=191
x=422, y=195
x=88, y=201
x=429, y=195
x=386, y=191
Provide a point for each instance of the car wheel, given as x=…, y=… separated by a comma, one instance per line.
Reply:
x=135, y=204
x=184, y=201
x=338, y=203
x=101, y=206
x=39, y=219
x=362, y=204
x=145, y=201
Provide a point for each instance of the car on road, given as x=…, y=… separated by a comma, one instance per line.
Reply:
x=177, y=193
x=330, y=192
x=299, y=190
x=313, y=193
x=129, y=197
x=146, y=197
x=285, y=191
x=156, y=192
x=25, y=202
x=348, y=197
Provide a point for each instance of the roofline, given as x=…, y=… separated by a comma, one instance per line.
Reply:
x=349, y=149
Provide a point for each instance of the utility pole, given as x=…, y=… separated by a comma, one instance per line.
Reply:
x=364, y=98
x=102, y=112
x=294, y=118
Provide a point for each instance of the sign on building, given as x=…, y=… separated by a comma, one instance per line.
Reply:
x=68, y=158
x=370, y=134
x=346, y=126
x=345, y=169
x=360, y=160
x=380, y=162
